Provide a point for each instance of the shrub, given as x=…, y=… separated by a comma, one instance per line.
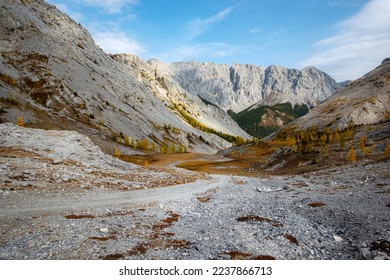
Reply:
x=351, y=154
x=153, y=147
x=19, y=121
x=325, y=150
x=82, y=105
x=362, y=143
x=387, y=149
x=127, y=140
x=117, y=152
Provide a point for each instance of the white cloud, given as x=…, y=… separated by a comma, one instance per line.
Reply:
x=110, y=6
x=197, y=26
x=199, y=52
x=362, y=42
x=256, y=30
x=118, y=42
x=78, y=17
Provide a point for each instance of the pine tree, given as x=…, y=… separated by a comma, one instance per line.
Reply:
x=127, y=140
x=153, y=147
x=173, y=148
x=351, y=154
x=362, y=144
x=325, y=150
x=180, y=149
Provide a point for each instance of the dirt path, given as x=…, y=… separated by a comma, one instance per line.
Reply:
x=52, y=203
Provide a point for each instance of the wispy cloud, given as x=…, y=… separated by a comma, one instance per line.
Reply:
x=198, y=26
x=362, y=41
x=199, y=52
x=118, y=42
x=74, y=15
x=110, y=6
x=256, y=30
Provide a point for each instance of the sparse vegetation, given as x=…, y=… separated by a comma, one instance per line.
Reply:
x=351, y=154
x=117, y=152
x=387, y=150
x=362, y=143
x=193, y=122
x=19, y=121
x=8, y=79
x=9, y=99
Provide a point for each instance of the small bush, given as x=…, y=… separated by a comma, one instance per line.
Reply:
x=351, y=154
x=19, y=121
x=117, y=152
x=387, y=150
x=362, y=143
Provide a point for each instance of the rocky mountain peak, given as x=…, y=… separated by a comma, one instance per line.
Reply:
x=242, y=85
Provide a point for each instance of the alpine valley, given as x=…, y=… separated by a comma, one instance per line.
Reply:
x=108, y=156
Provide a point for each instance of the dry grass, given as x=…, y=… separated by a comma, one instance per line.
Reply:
x=264, y=258
x=237, y=255
x=316, y=204
x=117, y=256
x=381, y=245
x=206, y=196
x=82, y=216
x=291, y=238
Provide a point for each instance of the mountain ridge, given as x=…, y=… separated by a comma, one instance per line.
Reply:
x=240, y=86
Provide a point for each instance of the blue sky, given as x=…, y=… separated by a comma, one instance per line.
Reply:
x=345, y=38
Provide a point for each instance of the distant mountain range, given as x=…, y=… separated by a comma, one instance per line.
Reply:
x=240, y=86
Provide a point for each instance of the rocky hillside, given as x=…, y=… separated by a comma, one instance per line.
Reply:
x=53, y=76
x=238, y=87
x=365, y=101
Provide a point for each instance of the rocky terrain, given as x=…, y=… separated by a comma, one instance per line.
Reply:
x=78, y=203
x=238, y=87
x=365, y=101
x=54, y=76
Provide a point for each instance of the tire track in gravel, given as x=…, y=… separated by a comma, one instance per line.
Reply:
x=27, y=204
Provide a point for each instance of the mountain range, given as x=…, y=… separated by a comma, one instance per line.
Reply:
x=241, y=86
